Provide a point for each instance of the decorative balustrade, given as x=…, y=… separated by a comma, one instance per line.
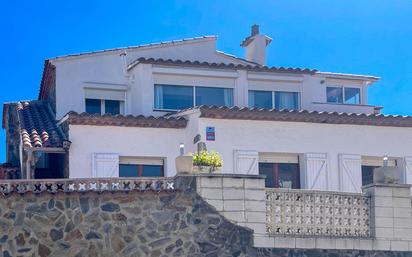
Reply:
x=317, y=213
x=84, y=185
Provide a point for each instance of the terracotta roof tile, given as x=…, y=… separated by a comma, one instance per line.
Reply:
x=301, y=116
x=124, y=121
x=38, y=126
x=232, y=66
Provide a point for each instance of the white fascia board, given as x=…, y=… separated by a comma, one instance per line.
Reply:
x=347, y=76
x=274, y=77
x=194, y=72
x=120, y=50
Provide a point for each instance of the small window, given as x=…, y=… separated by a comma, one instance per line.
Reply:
x=334, y=95
x=93, y=106
x=260, y=99
x=100, y=106
x=287, y=100
x=214, y=96
x=170, y=97
x=367, y=174
x=352, y=95
x=141, y=167
x=280, y=175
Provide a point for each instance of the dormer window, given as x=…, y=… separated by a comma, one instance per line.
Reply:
x=343, y=95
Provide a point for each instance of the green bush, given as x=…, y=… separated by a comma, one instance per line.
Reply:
x=205, y=158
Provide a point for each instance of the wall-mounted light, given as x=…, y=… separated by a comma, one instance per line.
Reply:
x=385, y=161
x=322, y=81
x=182, y=149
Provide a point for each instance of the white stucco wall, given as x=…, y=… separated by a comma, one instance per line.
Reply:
x=300, y=137
x=105, y=70
x=125, y=141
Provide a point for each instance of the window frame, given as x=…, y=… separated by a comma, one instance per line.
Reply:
x=273, y=92
x=142, y=161
x=103, y=106
x=343, y=94
x=193, y=96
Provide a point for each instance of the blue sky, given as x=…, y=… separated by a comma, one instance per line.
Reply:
x=362, y=37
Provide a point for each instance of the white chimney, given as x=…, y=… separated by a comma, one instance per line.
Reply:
x=256, y=46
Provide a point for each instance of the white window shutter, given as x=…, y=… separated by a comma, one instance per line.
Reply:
x=105, y=165
x=246, y=162
x=350, y=173
x=316, y=171
x=408, y=170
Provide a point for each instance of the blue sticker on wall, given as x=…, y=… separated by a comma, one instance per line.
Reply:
x=210, y=133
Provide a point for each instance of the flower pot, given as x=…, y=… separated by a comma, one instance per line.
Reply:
x=205, y=169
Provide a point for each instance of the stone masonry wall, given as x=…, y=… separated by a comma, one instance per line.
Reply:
x=155, y=224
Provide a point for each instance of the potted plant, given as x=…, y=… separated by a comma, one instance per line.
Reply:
x=205, y=161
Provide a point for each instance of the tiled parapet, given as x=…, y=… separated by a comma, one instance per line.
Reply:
x=84, y=185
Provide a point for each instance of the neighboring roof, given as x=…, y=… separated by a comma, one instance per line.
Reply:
x=152, y=45
x=236, y=113
x=75, y=118
x=231, y=66
x=37, y=125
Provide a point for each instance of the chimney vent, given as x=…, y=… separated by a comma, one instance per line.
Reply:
x=255, y=45
x=255, y=30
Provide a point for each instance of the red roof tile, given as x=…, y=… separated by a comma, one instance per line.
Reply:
x=237, y=113
x=38, y=126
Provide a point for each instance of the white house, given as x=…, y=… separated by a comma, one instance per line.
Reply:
x=125, y=111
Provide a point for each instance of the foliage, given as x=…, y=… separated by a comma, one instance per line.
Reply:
x=205, y=158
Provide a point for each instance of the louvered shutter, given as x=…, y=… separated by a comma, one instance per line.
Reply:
x=316, y=171
x=408, y=170
x=246, y=162
x=105, y=165
x=350, y=173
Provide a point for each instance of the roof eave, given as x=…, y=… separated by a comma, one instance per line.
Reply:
x=348, y=76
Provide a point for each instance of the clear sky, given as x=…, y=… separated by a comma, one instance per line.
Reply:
x=351, y=36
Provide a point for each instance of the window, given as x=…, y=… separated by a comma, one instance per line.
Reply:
x=339, y=95
x=260, y=99
x=172, y=97
x=214, y=96
x=352, y=95
x=104, y=106
x=112, y=106
x=93, y=106
x=369, y=164
x=287, y=100
x=141, y=167
x=168, y=97
x=281, y=170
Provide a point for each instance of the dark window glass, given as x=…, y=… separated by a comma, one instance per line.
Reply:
x=140, y=170
x=281, y=175
x=112, y=106
x=287, y=100
x=260, y=99
x=214, y=96
x=128, y=170
x=367, y=174
x=93, y=106
x=152, y=171
x=334, y=95
x=168, y=97
x=352, y=95
x=267, y=169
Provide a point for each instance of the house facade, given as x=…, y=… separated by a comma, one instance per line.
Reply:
x=125, y=112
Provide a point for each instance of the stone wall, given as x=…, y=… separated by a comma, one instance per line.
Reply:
x=133, y=223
